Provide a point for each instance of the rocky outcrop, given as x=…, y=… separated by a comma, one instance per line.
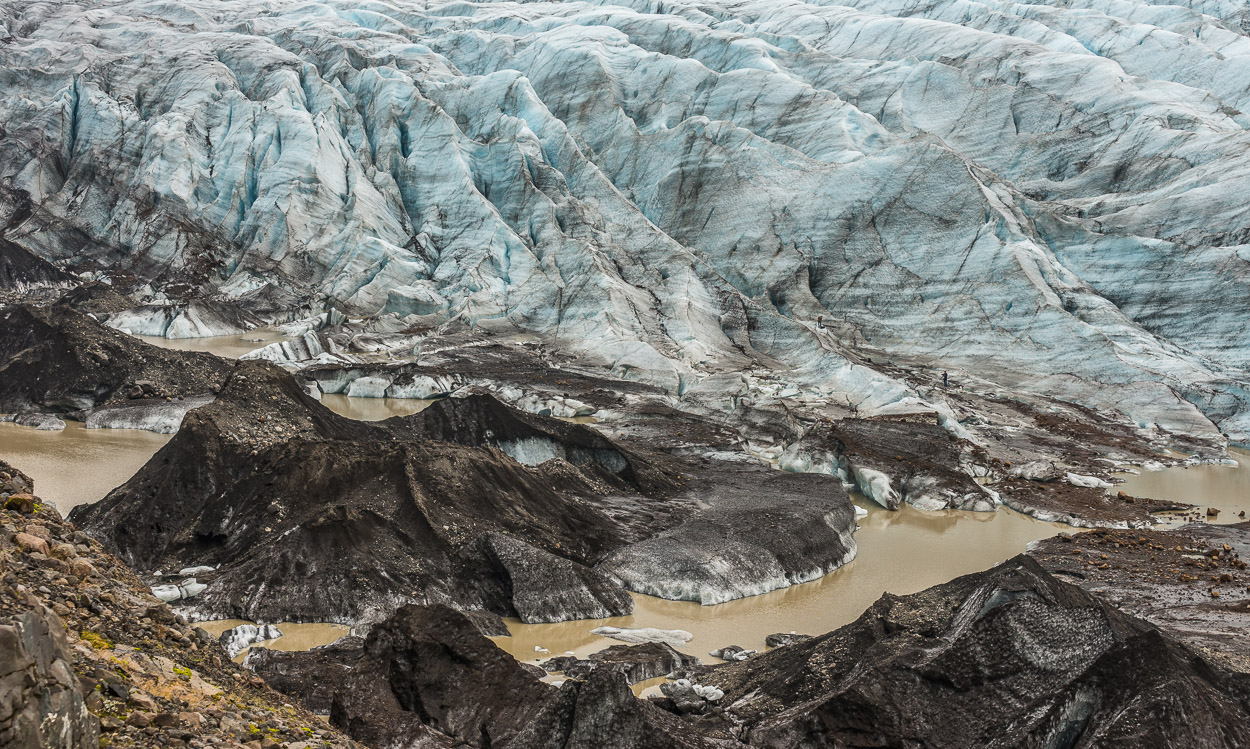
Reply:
x=600, y=711
x=543, y=587
x=781, y=639
x=89, y=658
x=1003, y=658
x=58, y=360
x=312, y=676
x=313, y=516
x=1059, y=666
x=426, y=676
x=13, y=481
x=41, y=702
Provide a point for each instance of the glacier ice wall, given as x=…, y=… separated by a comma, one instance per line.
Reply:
x=1049, y=196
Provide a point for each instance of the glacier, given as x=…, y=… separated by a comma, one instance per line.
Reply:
x=1045, y=198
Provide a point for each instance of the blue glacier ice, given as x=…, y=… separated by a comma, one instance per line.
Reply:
x=1051, y=197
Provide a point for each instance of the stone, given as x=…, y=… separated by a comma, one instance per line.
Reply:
x=23, y=503
x=142, y=701
x=635, y=662
x=31, y=544
x=732, y=653
x=192, y=720
x=39, y=531
x=926, y=665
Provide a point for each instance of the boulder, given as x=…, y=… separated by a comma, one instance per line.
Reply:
x=781, y=639
x=732, y=653
x=635, y=662
x=31, y=544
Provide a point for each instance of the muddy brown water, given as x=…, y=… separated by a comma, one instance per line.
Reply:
x=225, y=346
x=77, y=465
x=899, y=552
x=294, y=636
x=373, y=409
x=1224, y=487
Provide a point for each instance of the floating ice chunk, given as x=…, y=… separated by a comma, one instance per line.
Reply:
x=188, y=588
x=671, y=637
x=191, y=588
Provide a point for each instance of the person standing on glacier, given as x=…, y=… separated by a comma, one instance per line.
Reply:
x=945, y=381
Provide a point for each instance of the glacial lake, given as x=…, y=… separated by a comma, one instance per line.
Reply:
x=225, y=346
x=1224, y=487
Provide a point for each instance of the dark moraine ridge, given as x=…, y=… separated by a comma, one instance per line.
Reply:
x=1009, y=657
x=313, y=516
x=426, y=677
x=56, y=359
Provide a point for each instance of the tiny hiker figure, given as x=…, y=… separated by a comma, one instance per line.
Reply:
x=820, y=321
x=945, y=380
